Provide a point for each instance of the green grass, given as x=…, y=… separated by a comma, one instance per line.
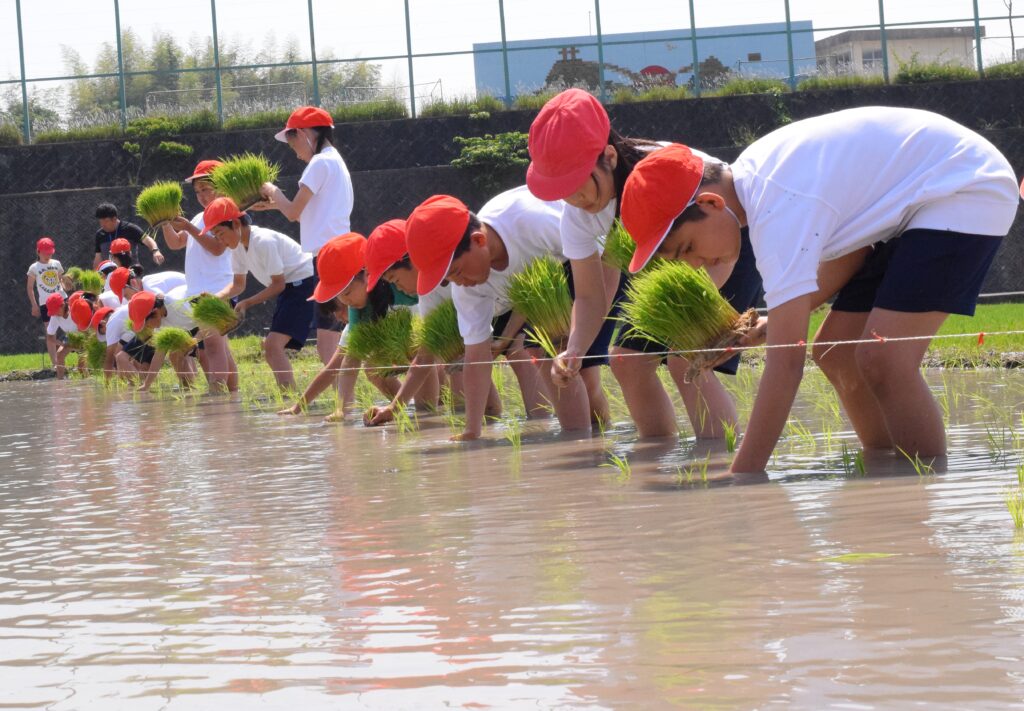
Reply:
x=275, y=119
x=86, y=133
x=462, y=106
x=656, y=93
x=914, y=72
x=533, y=102
x=741, y=85
x=1008, y=70
x=849, y=81
x=378, y=110
x=10, y=135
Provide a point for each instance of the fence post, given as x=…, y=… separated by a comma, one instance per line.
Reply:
x=26, y=121
x=977, y=40
x=216, y=64
x=600, y=48
x=504, y=54
x=693, y=51
x=885, y=44
x=312, y=54
x=789, y=48
x=120, y=66
x=408, y=51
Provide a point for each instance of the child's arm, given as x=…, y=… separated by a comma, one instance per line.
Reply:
x=175, y=233
x=154, y=250
x=30, y=287
x=274, y=199
x=476, y=378
x=236, y=287
x=277, y=285
x=780, y=381
x=154, y=370
x=321, y=382
x=418, y=374
x=589, y=309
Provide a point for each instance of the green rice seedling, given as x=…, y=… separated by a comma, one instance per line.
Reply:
x=173, y=340
x=1015, y=505
x=404, y=421
x=729, y=430
x=77, y=340
x=622, y=467
x=241, y=177
x=540, y=292
x=385, y=343
x=438, y=333
x=211, y=311
x=618, y=247
x=922, y=467
x=90, y=281
x=159, y=203
x=95, y=353
x=675, y=304
x=1020, y=475
x=451, y=418
x=694, y=471
x=513, y=432
x=74, y=274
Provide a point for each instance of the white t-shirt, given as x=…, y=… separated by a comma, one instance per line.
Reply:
x=179, y=309
x=271, y=253
x=826, y=186
x=162, y=282
x=431, y=301
x=109, y=298
x=64, y=323
x=529, y=227
x=117, y=327
x=327, y=213
x=205, y=271
x=583, y=232
x=47, y=278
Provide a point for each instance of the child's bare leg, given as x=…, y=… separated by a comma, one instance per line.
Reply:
x=893, y=373
x=649, y=405
x=569, y=403
x=600, y=412
x=273, y=351
x=708, y=404
x=429, y=392
x=839, y=365
x=532, y=387
x=388, y=386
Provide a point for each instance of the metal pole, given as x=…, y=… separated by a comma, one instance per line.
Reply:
x=600, y=47
x=885, y=44
x=216, y=64
x=312, y=54
x=26, y=122
x=120, y=66
x=977, y=40
x=693, y=50
x=504, y=53
x=789, y=47
x=408, y=49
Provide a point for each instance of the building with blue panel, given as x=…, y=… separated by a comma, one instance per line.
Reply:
x=640, y=59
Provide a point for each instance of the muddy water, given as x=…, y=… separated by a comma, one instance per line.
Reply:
x=169, y=555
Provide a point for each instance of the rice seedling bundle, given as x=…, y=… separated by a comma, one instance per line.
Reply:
x=618, y=247
x=95, y=353
x=173, y=340
x=384, y=343
x=159, y=203
x=77, y=340
x=210, y=311
x=540, y=293
x=438, y=333
x=90, y=281
x=74, y=274
x=241, y=177
x=679, y=306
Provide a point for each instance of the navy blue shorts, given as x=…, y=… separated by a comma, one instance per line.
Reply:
x=293, y=315
x=921, y=270
x=322, y=321
x=743, y=289
x=139, y=351
x=44, y=316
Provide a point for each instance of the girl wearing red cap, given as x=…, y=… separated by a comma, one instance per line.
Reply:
x=577, y=157
x=44, y=278
x=323, y=204
x=60, y=323
x=900, y=211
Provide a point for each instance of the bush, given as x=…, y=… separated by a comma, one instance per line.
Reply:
x=9, y=135
x=86, y=133
x=742, y=85
x=849, y=81
x=1009, y=70
x=656, y=93
x=914, y=72
x=533, y=102
x=462, y=106
x=490, y=157
x=376, y=110
x=263, y=119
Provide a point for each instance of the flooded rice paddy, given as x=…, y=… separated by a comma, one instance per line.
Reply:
x=198, y=555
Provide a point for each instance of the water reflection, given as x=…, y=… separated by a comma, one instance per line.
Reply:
x=191, y=555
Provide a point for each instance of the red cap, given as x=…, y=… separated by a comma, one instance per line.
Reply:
x=75, y=296
x=119, y=280
x=120, y=245
x=223, y=209
x=203, y=170
x=54, y=303
x=81, y=313
x=106, y=266
x=97, y=318
x=140, y=307
x=659, y=189
x=338, y=262
x=566, y=139
x=384, y=247
x=432, y=232
x=305, y=117
x=45, y=246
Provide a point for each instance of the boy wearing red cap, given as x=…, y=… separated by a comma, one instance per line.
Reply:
x=147, y=310
x=286, y=272
x=44, y=278
x=479, y=254
x=323, y=204
x=900, y=211
x=579, y=158
x=113, y=228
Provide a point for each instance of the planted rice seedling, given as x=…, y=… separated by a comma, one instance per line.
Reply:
x=541, y=294
x=922, y=467
x=241, y=177
x=680, y=306
x=853, y=463
x=438, y=333
x=729, y=430
x=513, y=432
x=159, y=203
x=170, y=339
x=694, y=471
x=385, y=343
x=1015, y=505
x=618, y=247
x=621, y=465
x=210, y=311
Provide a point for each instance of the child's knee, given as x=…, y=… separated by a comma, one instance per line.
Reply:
x=874, y=366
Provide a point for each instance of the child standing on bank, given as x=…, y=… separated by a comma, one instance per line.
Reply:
x=323, y=204
x=926, y=200
x=44, y=277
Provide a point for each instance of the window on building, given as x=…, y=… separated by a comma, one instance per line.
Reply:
x=754, y=57
x=872, y=59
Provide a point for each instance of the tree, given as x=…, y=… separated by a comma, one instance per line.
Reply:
x=1013, y=40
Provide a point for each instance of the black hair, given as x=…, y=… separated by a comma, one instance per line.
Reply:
x=629, y=152
x=463, y=246
x=245, y=219
x=404, y=263
x=137, y=271
x=379, y=299
x=324, y=138
x=105, y=209
x=694, y=213
x=328, y=308
x=123, y=259
x=90, y=297
x=158, y=303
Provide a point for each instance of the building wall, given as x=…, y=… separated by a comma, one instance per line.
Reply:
x=864, y=57
x=530, y=61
